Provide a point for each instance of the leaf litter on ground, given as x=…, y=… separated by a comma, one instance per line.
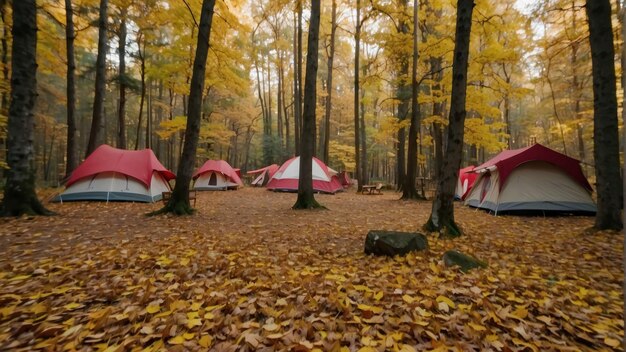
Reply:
x=248, y=273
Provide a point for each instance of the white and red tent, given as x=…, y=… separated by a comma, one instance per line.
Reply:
x=534, y=178
x=264, y=175
x=287, y=177
x=216, y=175
x=112, y=174
x=465, y=182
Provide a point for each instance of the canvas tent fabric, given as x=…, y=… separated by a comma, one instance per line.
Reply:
x=344, y=179
x=264, y=175
x=112, y=174
x=531, y=179
x=465, y=182
x=216, y=175
x=287, y=177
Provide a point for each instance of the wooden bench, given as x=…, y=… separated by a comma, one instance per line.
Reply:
x=372, y=189
x=168, y=195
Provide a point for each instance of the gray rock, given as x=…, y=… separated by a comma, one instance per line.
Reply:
x=466, y=262
x=392, y=243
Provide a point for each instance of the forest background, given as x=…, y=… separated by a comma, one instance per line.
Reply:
x=529, y=81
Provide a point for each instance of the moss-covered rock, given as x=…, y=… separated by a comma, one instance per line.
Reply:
x=466, y=262
x=392, y=243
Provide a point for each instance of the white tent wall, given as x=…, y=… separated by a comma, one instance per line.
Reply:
x=114, y=186
x=532, y=186
x=222, y=183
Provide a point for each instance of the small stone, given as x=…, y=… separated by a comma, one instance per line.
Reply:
x=392, y=243
x=466, y=262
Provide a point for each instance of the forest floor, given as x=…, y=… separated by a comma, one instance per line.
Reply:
x=248, y=273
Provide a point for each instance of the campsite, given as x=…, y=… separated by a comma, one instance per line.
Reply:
x=312, y=175
x=248, y=273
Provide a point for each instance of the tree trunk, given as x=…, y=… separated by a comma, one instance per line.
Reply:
x=329, y=84
x=442, y=215
x=357, y=97
x=306, y=200
x=179, y=203
x=409, y=191
x=19, y=190
x=363, y=137
x=297, y=74
x=121, y=112
x=403, y=108
x=98, y=102
x=605, y=135
x=72, y=151
x=142, y=72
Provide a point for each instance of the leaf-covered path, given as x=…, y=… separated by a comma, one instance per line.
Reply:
x=248, y=273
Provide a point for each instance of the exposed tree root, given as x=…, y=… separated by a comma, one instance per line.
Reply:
x=307, y=204
x=176, y=208
x=447, y=230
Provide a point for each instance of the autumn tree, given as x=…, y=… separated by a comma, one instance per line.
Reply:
x=306, y=200
x=179, y=202
x=442, y=215
x=98, y=102
x=71, y=147
x=19, y=191
x=606, y=139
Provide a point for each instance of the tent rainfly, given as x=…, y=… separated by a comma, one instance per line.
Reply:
x=264, y=175
x=465, y=182
x=531, y=179
x=111, y=174
x=216, y=175
x=287, y=177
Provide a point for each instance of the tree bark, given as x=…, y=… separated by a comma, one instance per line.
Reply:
x=442, y=214
x=329, y=84
x=179, y=203
x=98, y=102
x=142, y=72
x=121, y=112
x=409, y=191
x=71, y=151
x=306, y=200
x=297, y=69
x=357, y=97
x=605, y=135
x=19, y=191
x=403, y=108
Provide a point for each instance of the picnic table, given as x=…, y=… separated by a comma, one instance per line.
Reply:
x=372, y=189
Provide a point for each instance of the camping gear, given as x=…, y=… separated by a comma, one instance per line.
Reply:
x=287, y=177
x=216, y=175
x=531, y=179
x=264, y=175
x=112, y=174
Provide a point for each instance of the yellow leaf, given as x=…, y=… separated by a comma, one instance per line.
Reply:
x=178, y=340
x=19, y=277
x=72, y=306
x=407, y=348
x=446, y=300
x=184, y=261
x=434, y=268
x=520, y=313
x=375, y=310
x=37, y=309
x=378, y=295
x=210, y=308
x=193, y=322
x=153, y=308
x=196, y=305
x=477, y=327
x=209, y=315
x=526, y=344
x=205, y=341
x=367, y=349
x=362, y=288
x=192, y=315
x=188, y=335
x=612, y=342
x=408, y=299
x=491, y=338
x=275, y=336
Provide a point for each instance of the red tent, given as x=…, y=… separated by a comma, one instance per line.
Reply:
x=465, y=182
x=216, y=174
x=287, y=177
x=344, y=179
x=139, y=164
x=265, y=174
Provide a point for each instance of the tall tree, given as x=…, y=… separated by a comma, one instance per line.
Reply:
x=409, y=191
x=605, y=130
x=98, y=101
x=179, y=202
x=442, y=214
x=357, y=97
x=297, y=81
x=325, y=140
x=121, y=111
x=71, y=148
x=306, y=200
x=19, y=190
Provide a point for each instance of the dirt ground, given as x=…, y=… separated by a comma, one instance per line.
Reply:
x=248, y=273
